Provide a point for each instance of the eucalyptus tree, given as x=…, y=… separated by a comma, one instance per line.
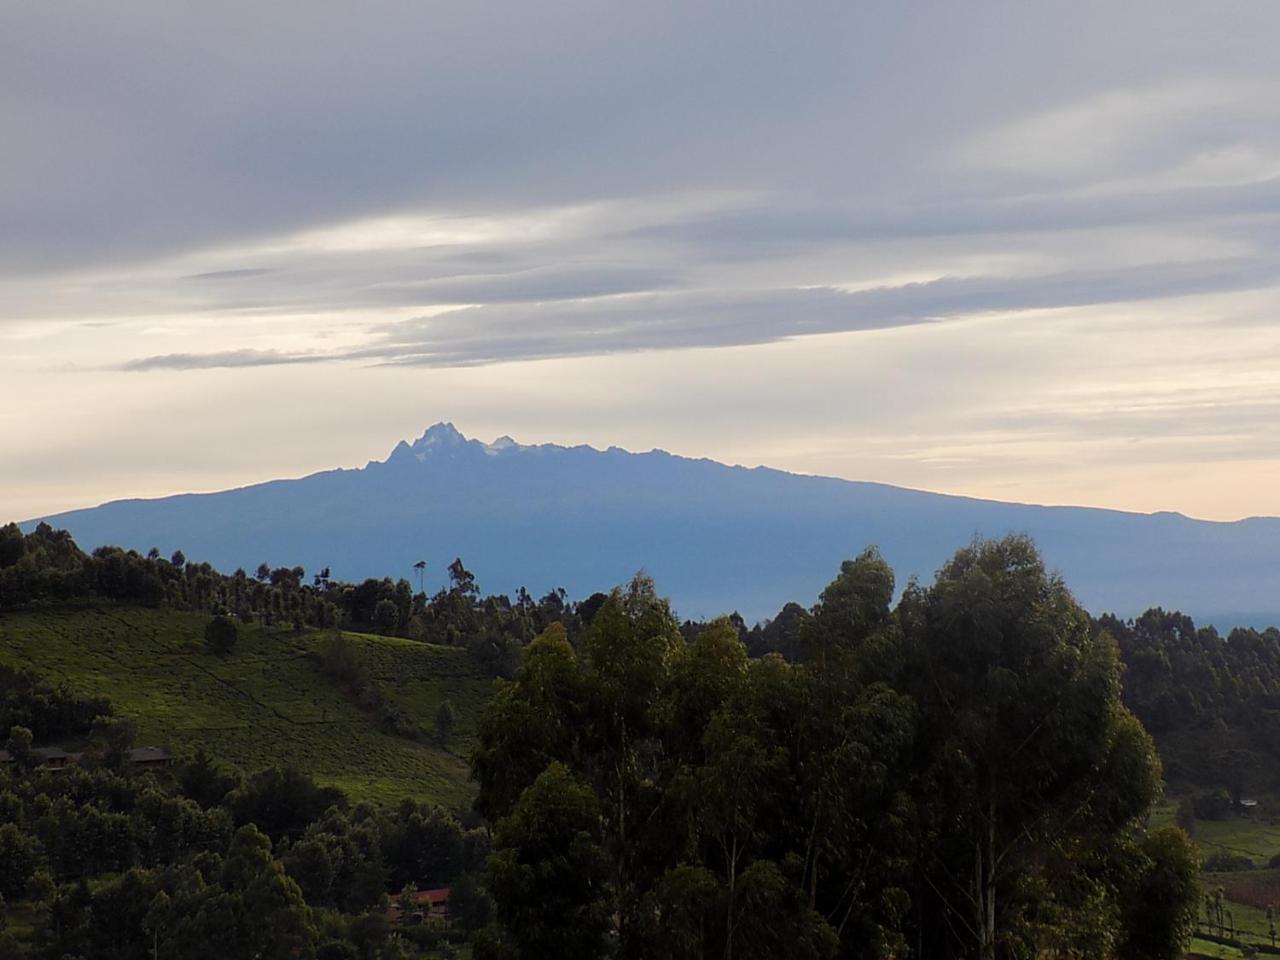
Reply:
x=1031, y=776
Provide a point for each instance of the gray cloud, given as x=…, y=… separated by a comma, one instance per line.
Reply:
x=210, y=361
x=519, y=330
x=496, y=333
x=763, y=231
x=238, y=274
x=127, y=138
x=525, y=286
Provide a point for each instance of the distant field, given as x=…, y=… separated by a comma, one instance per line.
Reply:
x=1259, y=840
x=266, y=703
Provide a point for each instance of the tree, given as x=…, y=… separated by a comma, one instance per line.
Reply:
x=951, y=778
x=1162, y=894
x=469, y=905
x=179, y=559
x=157, y=919
x=386, y=617
x=548, y=872
x=463, y=580
x=204, y=780
x=271, y=917
x=1186, y=816
x=406, y=901
x=444, y=721
x=1031, y=768
x=12, y=545
x=420, y=567
x=530, y=723
x=20, y=748
x=19, y=857
x=220, y=635
x=282, y=801
x=114, y=737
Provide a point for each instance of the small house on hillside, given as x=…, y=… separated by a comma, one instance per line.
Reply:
x=51, y=758
x=149, y=757
x=428, y=906
x=55, y=758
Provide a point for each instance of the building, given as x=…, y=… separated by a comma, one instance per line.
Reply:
x=149, y=758
x=429, y=906
x=55, y=758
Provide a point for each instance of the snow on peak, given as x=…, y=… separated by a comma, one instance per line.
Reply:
x=444, y=437
x=443, y=434
x=501, y=445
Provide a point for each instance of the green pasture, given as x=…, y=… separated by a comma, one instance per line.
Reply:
x=266, y=703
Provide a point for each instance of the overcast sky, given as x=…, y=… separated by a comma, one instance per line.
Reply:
x=1016, y=250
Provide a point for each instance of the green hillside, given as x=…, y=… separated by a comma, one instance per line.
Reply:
x=266, y=703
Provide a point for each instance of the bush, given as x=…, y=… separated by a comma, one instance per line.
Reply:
x=221, y=634
x=445, y=718
x=1227, y=863
x=386, y=617
x=1186, y=816
x=1215, y=805
x=19, y=857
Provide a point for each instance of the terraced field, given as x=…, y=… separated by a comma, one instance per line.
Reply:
x=266, y=703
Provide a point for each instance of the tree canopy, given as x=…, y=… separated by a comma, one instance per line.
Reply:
x=954, y=777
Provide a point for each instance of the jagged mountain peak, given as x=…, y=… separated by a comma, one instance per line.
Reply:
x=442, y=434
x=445, y=438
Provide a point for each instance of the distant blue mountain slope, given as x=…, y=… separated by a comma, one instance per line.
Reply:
x=716, y=538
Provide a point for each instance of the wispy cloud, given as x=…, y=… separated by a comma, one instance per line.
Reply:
x=593, y=325
x=224, y=358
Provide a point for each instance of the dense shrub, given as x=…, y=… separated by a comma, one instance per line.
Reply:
x=1222, y=862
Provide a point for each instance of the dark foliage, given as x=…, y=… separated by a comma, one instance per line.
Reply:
x=1211, y=702
x=111, y=863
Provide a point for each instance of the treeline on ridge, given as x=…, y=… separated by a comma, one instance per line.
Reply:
x=47, y=568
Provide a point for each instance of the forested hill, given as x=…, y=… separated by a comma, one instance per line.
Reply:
x=717, y=538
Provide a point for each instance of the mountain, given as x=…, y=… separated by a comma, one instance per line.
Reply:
x=715, y=537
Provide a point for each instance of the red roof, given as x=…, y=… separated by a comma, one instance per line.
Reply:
x=439, y=895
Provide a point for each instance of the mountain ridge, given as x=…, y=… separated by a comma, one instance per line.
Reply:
x=716, y=536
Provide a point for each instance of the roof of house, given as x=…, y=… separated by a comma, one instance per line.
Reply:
x=145, y=754
x=136, y=755
x=44, y=753
x=439, y=895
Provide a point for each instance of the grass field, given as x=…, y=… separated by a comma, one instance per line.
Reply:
x=266, y=703
x=1257, y=839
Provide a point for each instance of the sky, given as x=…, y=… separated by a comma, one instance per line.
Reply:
x=1009, y=250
